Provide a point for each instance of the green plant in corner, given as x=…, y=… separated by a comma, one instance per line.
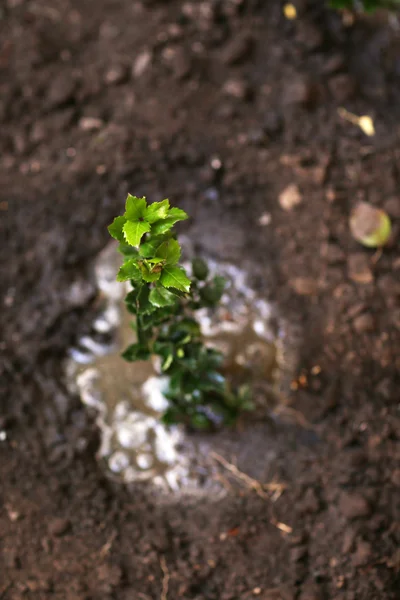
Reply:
x=365, y=5
x=164, y=301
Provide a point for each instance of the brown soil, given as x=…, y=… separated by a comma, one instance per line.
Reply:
x=98, y=97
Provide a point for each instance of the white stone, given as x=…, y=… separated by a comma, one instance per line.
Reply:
x=118, y=462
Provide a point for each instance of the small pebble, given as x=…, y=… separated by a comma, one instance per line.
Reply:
x=290, y=197
x=364, y=323
x=353, y=505
x=304, y=286
x=141, y=63
x=59, y=526
x=359, y=268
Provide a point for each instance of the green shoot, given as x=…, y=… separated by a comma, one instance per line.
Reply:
x=163, y=300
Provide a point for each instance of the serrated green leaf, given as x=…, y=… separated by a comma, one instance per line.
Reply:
x=160, y=227
x=156, y=211
x=200, y=269
x=160, y=296
x=178, y=214
x=175, y=277
x=115, y=229
x=174, y=215
x=129, y=270
x=136, y=352
x=135, y=208
x=170, y=251
x=134, y=231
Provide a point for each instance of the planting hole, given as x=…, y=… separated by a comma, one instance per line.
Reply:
x=128, y=397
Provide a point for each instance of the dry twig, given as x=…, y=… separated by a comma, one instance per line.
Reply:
x=108, y=545
x=259, y=488
x=165, y=582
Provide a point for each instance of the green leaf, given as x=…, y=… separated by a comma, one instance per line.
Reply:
x=178, y=214
x=200, y=269
x=186, y=325
x=199, y=421
x=167, y=362
x=156, y=211
x=212, y=293
x=170, y=251
x=129, y=270
x=149, y=247
x=134, y=208
x=160, y=296
x=126, y=250
x=175, y=277
x=138, y=300
x=134, y=231
x=174, y=215
x=136, y=352
x=115, y=229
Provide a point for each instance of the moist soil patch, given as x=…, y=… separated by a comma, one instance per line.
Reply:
x=229, y=110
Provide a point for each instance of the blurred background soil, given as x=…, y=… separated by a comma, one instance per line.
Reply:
x=102, y=97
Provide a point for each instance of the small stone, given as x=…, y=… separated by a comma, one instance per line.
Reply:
x=353, y=505
x=61, y=90
x=348, y=540
x=111, y=574
x=364, y=323
x=300, y=91
x=116, y=74
x=38, y=132
x=59, y=527
x=265, y=219
x=90, y=124
x=342, y=88
x=239, y=49
x=237, y=88
x=290, y=197
x=359, y=268
x=142, y=63
x=304, y=286
x=362, y=554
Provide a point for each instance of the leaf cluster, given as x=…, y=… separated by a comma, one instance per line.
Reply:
x=164, y=300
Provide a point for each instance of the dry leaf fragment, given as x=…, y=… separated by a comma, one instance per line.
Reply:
x=365, y=123
x=290, y=12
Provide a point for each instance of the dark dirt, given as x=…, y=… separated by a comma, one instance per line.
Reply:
x=98, y=97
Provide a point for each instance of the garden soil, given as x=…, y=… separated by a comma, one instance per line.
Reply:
x=231, y=111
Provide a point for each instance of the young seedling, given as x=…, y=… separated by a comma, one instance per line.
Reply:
x=164, y=301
